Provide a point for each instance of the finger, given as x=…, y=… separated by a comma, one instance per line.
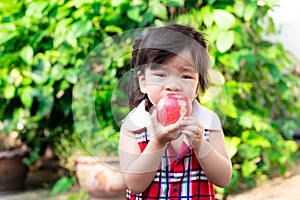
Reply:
x=157, y=127
x=194, y=129
x=173, y=127
x=189, y=135
x=187, y=121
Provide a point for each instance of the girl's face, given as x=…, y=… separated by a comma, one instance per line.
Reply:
x=175, y=75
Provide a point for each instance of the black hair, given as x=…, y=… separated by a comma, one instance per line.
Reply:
x=160, y=44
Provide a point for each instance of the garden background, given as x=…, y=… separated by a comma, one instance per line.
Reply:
x=58, y=88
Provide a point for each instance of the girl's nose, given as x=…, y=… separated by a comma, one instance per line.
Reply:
x=172, y=84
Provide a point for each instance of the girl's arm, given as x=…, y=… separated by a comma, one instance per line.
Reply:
x=214, y=159
x=212, y=155
x=139, y=168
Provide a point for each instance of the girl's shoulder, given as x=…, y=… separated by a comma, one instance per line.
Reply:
x=137, y=119
x=207, y=117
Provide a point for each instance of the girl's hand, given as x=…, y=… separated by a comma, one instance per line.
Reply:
x=164, y=134
x=194, y=131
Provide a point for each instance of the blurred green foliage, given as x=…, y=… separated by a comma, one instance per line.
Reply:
x=54, y=89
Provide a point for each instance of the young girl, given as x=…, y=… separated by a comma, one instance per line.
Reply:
x=182, y=160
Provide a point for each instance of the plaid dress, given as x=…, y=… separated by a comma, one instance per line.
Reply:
x=180, y=175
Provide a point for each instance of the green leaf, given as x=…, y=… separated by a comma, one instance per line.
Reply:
x=34, y=156
x=71, y=76
x=57, y=72
x=8, y=8
x=60, y=32
x=27, y=54
x=254, y=139
x=216, y=77
x=248, y=168
x=232, y=144
x=116, y=3
x=284, y=90
x=113, y=29
x=158, y=9
x=16, y=76
x=247, y=119
x=71, y=39
x=274, y=71
x=5, y=37
x=175, y=3
x=211, y=2
x=9, y=91
x=271, y=3
x=250, y=120
x=291, y=145
x=81, y=28
x=248, y=152
x=39, y=77
x=133, y=13
x=250, y=61
x=225, y=41
x=46, y=101
x=238, y=8
x=62, y=185
x=250, y=10
x=35, y=9
x=26, y=96
x=207, y=15
x=225, y=20
x=213, y=34
x=230, y=108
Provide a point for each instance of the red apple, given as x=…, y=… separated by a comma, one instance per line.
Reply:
x=171, y=107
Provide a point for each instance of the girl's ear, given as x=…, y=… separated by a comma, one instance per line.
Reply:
x=141, y=78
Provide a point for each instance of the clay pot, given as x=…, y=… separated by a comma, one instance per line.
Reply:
x=101, y=178
x=13, y=171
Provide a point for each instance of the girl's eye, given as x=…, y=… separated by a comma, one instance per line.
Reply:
x=161, y=75
x=186, y=77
